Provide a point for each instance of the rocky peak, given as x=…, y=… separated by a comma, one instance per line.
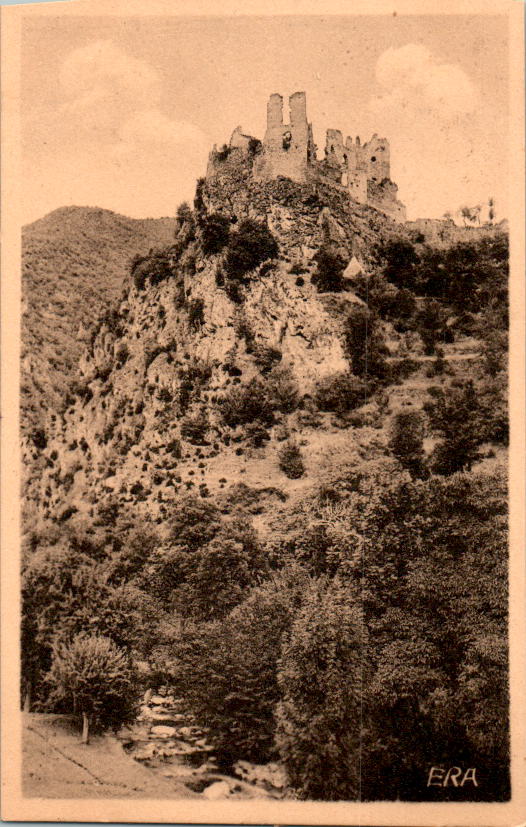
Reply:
x=168, y=375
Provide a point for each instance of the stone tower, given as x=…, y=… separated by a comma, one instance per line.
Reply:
x=287, y=147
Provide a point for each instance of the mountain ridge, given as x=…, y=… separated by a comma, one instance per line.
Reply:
x=74, y=260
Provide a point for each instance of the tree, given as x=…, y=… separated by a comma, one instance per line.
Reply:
x=454, y=413
x=64, y=593
x=227, y=670
x=215, y=232
x=323, y=675
x=471, y=214
x=328, y=276
x=427, y=560
x=364, y=344
x=491, y=210
x=400, y=263
x=92, y=678
x=184, y=215
x=251, y=245
x=407, y=441
x=218, y=577
x=429, y=324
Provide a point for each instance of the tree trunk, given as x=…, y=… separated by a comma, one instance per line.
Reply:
x=85, y=728
x=27, y=696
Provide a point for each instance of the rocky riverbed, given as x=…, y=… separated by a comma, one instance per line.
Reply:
x=166, y=738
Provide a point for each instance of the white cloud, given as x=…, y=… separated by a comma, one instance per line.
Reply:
x=112, y=109
x=429, y=111
x=415, y=82
x=102, y=72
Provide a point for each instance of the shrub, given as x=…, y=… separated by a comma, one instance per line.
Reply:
x=199, y=204
x=215, y=232
x=340, y=392
x=245, y=404
x=233, y=292
x=407, y=441
x=321, y=678
x=196, y=315
x=328, y=276
x=244, y=331
x=223, y=153
x=193, y=523
x=254, y=147
x=174, y=448
x=249, y=246
x=156, y=267
x=256, y=434
x=39, y=439
x=283, y=390
x=265, y=357
x=291, y=461
x=92, y=678
x=399, y=369
x=194, y=428
x=456, y=415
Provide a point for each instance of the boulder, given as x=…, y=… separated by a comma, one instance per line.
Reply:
x=160, y=700
x=146, y=752
x=163, y=731
x=216, y=791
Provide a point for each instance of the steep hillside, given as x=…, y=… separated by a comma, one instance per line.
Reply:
x=147, y=414
x=73, y=264
x=281, y=458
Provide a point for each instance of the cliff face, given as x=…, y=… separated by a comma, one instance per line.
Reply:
x=148, y=418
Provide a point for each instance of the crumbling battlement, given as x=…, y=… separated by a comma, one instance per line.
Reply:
x=288, y=150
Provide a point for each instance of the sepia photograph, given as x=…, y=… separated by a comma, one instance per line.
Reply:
x=257, y=343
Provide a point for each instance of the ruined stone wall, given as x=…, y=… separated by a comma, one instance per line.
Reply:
x=288, y=151
x=285, y=145
x=335, y=154
x=383, y=197
x=239, y=140
x=357, y=185
x=376, y=157
x=442, y=232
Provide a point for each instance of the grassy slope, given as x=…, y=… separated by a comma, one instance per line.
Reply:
x=73, y=264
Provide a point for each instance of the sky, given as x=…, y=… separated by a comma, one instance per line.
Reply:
x=121, y=112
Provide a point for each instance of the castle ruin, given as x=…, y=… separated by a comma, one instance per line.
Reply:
x=288, y=150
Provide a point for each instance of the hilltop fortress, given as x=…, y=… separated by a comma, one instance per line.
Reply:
x=288, y=150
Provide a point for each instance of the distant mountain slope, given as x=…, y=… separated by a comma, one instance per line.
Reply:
x=73, y=264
